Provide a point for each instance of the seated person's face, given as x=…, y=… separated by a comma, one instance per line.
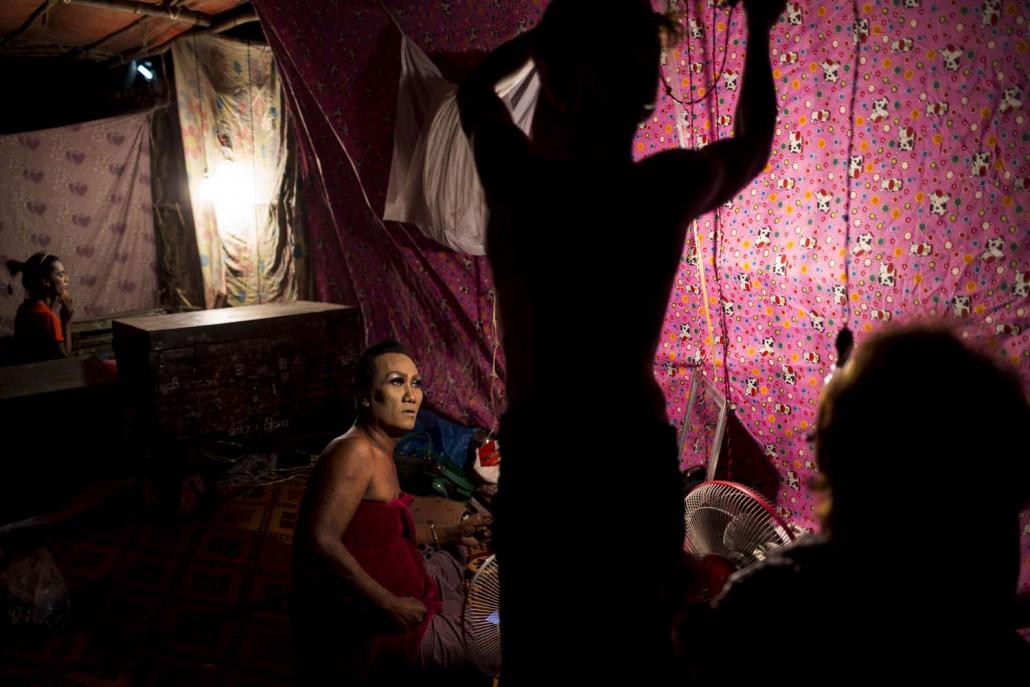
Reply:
x=57, y=281
x=396, y=392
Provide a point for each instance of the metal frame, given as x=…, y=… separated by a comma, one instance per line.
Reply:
x=696, y=382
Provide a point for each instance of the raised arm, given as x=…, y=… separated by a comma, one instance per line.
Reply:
x=719, y=171
x=484, y=116
x=341, y=480
x=478, y=102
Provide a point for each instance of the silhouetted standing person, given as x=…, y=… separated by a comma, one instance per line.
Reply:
x=584, y=245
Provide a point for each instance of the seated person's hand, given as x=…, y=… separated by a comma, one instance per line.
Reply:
x=67, y=308
x=406, y=612
x=472, y=530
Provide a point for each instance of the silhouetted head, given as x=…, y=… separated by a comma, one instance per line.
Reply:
x=599, y=61
x=918, y=441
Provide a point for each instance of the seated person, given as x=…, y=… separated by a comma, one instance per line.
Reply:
x=921, y=445
x=361, y=589
x=38, y=333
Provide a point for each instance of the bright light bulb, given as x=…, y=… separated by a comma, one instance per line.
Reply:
x=230, y=189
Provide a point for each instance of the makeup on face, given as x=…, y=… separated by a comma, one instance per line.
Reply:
x=396, y=392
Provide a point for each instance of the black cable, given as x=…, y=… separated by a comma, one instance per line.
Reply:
x=848, y=177
x=845, y=341
x=722, y=66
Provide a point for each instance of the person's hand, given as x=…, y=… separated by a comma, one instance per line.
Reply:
x=67, y=306
x=406, y=612
x=472, y=530
x=764, y=13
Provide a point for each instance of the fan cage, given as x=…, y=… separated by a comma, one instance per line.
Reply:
x=730, y=520
x=481, y=619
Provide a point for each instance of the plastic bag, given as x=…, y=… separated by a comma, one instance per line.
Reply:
x=32, y=590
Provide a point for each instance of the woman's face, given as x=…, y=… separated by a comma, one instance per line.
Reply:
x=57, y=281
x=396, y=392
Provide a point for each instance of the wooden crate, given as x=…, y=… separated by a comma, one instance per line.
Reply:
x=62, y=423
x=93, y=336
x=252, y=372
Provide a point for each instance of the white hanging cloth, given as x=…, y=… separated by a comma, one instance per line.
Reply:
x=433, y=179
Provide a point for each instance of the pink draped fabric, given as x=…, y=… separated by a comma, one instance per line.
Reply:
x=938, y=174
x=340, y=68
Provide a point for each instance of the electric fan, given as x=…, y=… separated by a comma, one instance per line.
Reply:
x=728, y=527
x=481, y=619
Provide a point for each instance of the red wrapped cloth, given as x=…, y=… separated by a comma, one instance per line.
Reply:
x=381, y=536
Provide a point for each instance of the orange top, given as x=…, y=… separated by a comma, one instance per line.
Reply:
x=36, y=329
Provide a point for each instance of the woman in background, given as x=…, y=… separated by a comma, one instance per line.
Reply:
x=39, y=333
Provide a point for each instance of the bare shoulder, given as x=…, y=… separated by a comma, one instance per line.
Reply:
x=337, y=484
x=349, y=456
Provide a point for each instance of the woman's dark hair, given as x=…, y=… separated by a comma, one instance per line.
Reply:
x=365, y=369
x=921, y=443
x=33, y=271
